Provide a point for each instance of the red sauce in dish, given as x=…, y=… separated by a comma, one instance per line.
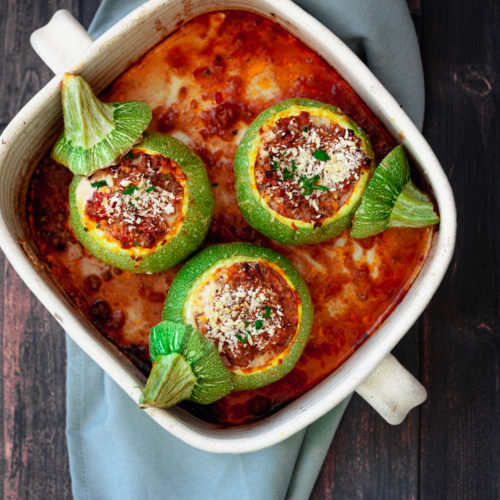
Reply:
x=205, y=83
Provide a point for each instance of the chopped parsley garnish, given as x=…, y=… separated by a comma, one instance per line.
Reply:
x=130, y=155
x=137, y=244
x=287, y=174
x=275, y=165
x=149, y=189
x=166, y=176
x=309, y=185
x=306, y=129
x=131, y=204
x=319, y=154
x=258, y=324
x=267, y=314
x=99, y=184
x=240, y=338
x=98, y=226
x=130, y=189
x=86, y=229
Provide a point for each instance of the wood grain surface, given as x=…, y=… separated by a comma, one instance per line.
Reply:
x=449, y=448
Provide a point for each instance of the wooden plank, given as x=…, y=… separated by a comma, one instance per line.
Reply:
x=460, y=447
x=32, y=396
x=370, y=459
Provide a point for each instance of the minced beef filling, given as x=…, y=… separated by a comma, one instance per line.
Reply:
x=307, y=167
x=252, y=314
x=139, y=201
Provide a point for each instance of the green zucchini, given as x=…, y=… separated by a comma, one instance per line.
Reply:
x=392, y=200
x=320, y=206
x=96, y=134
x=188, y=230
x=185, y=366
x=246, y=339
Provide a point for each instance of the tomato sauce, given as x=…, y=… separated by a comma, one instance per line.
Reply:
x=205, y=83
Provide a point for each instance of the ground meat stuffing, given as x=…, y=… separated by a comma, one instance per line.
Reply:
x=252, y=313
x=139, y=201
x=307, y=166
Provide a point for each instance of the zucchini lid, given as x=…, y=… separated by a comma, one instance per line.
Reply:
x=96, y=134
x=187, y=278
x=255, y=209
x=392, y=200
x=190, y=234
x=185, y=366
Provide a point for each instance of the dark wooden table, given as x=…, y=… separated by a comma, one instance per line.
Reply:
x=447, y=448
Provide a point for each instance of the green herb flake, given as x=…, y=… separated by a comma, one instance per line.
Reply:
x=98, y=226
x=166, y=176
x=275, y=165
x=130, y=156
x=99, y=184
x=137, y=244
x=319, y=154
x=306, y=129
x=258, y=324
x=130, y=189
x=287, y=175
x=240, y=338
x=267, y=314
x=86, y=229
x=309, y=185
x=149, y=189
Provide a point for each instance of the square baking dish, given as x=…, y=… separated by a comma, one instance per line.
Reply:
x=371, y=370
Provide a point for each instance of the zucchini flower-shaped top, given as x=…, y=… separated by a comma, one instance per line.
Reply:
x=96, y=134
x=392, y=200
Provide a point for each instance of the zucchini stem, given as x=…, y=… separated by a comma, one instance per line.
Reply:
x=87, y=120
x=171, y=381
x=412, y=209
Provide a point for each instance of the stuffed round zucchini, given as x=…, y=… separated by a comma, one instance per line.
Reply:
x=148, y=212
x=251, y=303
x=300, y=171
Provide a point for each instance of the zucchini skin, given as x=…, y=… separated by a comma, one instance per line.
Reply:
x=263, y=218
x=187, y=276
x=190, y=235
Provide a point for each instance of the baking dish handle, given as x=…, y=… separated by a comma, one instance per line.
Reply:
x=392, y=390
x=60, y=41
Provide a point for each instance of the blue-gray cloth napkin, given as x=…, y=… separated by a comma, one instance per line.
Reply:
x=116, y=451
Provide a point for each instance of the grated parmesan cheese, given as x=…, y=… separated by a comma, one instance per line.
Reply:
x=144, y=201
x=249, y=313
x=294, y=161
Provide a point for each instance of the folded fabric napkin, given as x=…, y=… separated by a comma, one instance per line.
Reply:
x=116, y=451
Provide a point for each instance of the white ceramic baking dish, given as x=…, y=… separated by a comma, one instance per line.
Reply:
x=371, y=371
